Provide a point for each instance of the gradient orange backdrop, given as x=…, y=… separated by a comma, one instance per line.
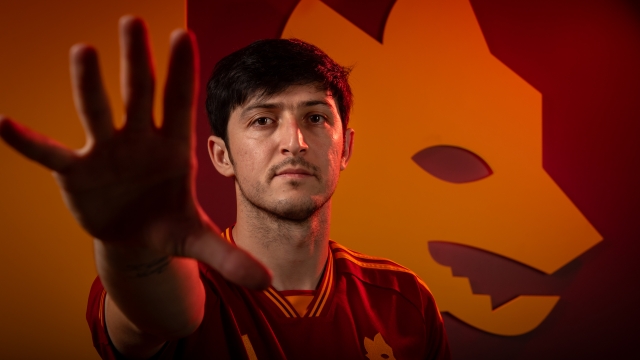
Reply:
x=46, y=261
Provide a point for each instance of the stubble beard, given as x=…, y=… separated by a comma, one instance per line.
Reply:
x=289, y=210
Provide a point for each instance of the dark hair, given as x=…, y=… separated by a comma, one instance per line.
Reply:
x=268, y=67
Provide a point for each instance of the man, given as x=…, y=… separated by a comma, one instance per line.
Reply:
x=273, y=286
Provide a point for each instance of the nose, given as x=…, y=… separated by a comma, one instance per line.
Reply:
x=292, y=140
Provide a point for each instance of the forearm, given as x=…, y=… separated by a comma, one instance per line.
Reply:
x=152, y=297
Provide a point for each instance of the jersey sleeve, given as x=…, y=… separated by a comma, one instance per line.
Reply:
x=196, y=346
x=437, y=343
x=96, y=321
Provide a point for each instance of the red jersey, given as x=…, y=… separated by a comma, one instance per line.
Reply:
x=364, y=308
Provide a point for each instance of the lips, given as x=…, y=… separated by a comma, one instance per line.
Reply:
x=500, y=277
x=293, y=172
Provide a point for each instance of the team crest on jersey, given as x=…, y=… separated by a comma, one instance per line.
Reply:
x=378, y=348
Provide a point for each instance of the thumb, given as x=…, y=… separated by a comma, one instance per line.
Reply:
x=233, y=263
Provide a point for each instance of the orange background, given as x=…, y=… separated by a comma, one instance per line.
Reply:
x=46, y=262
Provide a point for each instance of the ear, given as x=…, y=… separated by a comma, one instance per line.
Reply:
x=219, y=155
x=348, y=148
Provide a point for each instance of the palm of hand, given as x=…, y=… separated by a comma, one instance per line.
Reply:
x=130, y=184
x=124, y=180
x=135, y=184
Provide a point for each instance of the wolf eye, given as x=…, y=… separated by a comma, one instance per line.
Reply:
x=452, y=163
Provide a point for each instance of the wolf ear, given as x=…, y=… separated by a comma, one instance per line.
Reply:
x=369, y=345
x=315, y=22
x=434, y=24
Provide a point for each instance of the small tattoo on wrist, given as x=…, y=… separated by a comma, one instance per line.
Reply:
x=155, y=267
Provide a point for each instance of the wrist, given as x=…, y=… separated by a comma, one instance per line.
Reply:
x=129, y=260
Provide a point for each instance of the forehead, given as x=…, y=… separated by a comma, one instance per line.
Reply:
x=293, y=97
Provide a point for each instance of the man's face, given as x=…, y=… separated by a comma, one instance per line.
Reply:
x=287, y=151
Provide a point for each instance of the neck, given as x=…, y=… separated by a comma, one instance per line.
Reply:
x=295, y=251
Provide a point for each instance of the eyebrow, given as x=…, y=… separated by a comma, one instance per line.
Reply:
x=268, y=105
x=311, y=103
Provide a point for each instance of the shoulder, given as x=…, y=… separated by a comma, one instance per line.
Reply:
x=382, y=273
x=394, y=280
x=372, y=268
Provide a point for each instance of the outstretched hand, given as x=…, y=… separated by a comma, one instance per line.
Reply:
x=134, y=186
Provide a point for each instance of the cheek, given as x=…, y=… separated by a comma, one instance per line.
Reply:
x=250, y=160
x=334, y=159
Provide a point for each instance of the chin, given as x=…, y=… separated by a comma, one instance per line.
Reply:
x=296, y=202
x=295, y=210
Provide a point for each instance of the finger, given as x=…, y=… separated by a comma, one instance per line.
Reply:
x=234, y=264
x=180, y=89
x=136, y=77
x=36, y=147
x=89, y=95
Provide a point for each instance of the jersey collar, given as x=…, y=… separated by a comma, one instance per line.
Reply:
x=316, y=307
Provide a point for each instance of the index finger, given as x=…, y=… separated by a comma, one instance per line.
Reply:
x=180, y=89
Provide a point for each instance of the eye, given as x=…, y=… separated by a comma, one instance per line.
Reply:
x=316, y=119
x=452, y=163
x=262, y=121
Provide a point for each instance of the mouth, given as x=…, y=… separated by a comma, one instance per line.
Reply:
x=295, y=173
x=502, y=278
